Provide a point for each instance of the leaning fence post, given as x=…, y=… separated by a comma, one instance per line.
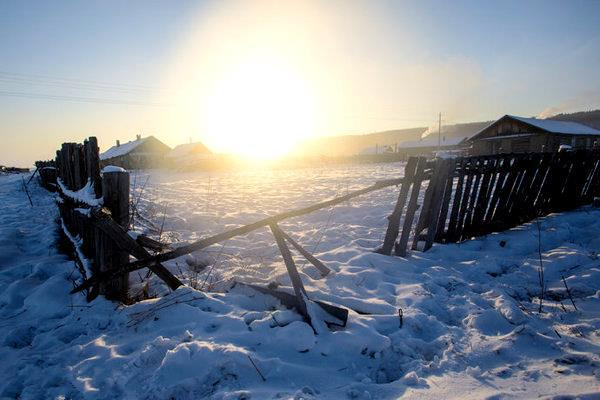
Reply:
x=393, y=228
x=115, y=194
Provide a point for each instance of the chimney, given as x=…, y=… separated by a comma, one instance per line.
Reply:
x=118, y=143
x=138, y=137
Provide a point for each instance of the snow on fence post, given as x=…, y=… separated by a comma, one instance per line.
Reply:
x=115, y=194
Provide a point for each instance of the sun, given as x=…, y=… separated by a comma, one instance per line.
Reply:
x=258, y=107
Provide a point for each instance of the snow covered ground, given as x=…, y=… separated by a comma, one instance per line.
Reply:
x=470, y=325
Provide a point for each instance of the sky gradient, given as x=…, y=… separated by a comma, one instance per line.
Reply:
x=70, y=69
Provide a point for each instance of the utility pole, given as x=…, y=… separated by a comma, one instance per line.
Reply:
x=439, y=131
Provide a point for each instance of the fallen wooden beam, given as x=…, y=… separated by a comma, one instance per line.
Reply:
x=339, y=314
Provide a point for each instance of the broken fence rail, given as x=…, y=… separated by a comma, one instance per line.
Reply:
x=242, y=230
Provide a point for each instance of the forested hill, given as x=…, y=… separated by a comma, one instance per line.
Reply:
x=590, y=118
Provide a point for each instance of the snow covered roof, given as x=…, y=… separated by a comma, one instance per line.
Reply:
x=184, y=150
x=551, y=126
x=121, y=150
x=566, y=127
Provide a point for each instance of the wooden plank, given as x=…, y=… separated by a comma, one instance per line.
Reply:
x=430, y=196
x=470, y=175
x=587, y=188
x=582, y=170
x=451, y=234
x=509, y=217
x=289, y=300
x=109, y=255
x=515, y=210
x=299, y=290
x=594, y=189
x=64, y=151
x=401, y=246
x=553, y=183
x=78, y=175
x=492, y=197
x=92, y=158
x=543, y=200
x=115, y=195
x=467, y=225
x=538, y=170
x=481, y=204
x=393, y=227
x=440, y=233
x=152, y=244
x=102, y=219
x=446, y=169
x=568, y=178
x=309, y=257
x=507, y=187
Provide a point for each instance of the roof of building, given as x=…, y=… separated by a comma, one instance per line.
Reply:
x=551, y=126
x=566, y=127
x=188, y=149
x=122, y=149
x=125, y=148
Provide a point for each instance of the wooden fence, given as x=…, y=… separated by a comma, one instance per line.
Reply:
x=46, y=171
x=472, y=196
x=445, y=200
x=94, y=213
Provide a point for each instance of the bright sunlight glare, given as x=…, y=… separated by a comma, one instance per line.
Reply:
x=258, y=108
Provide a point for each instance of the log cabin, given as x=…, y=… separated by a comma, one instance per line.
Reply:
x=512, y=134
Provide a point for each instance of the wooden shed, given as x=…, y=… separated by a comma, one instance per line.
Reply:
x=512, y=134
x=141, y=153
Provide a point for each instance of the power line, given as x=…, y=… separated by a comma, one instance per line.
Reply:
x=84, y=87
x=78, y=99
x=47, y=78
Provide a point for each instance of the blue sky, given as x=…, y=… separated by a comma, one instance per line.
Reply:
x=69, y=69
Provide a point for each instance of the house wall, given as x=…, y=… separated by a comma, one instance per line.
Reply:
x=538, y=141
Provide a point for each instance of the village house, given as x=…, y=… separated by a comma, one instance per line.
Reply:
x=147, y=152
x=511, y=134
x=429, y=145
x=189, y=156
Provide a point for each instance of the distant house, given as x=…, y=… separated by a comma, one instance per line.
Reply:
x=189, y=156
x=430, y=143
x=141, y=153
x=377, y=149
x=512, y=134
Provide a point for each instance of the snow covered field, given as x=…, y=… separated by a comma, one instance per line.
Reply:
x=470, y=323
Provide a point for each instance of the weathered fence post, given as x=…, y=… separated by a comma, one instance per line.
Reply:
x=115, y=192
x=394, y=219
